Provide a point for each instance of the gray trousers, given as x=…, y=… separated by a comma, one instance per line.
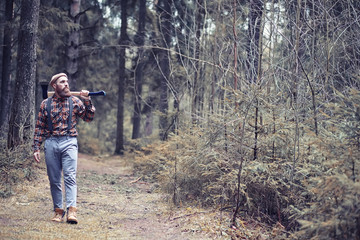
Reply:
x=61, y=155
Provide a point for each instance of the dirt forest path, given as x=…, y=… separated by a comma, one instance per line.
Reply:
x=112, y=203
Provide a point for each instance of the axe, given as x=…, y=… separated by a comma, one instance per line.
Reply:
x=46, y=94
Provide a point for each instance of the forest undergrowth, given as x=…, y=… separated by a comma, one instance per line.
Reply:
x=305, y=181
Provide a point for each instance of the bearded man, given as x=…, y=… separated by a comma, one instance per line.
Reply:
x=56, y=124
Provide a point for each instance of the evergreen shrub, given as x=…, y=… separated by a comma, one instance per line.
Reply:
x=306, y=182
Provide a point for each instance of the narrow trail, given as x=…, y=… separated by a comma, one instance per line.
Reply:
x=112, y=204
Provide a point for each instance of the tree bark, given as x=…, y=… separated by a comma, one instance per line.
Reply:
x=119, y=148
x=298, y=54
x=254, y=54
x=139, y=41
x=198, y=81
x=235, y=48
x=72, y=51
x=22, y=117
x=6, y=64
x=164, y=65
x=255, y=18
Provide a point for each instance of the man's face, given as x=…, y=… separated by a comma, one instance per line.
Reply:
x=62, y=87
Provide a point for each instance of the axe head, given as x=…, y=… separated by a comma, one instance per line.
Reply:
x=44, y=88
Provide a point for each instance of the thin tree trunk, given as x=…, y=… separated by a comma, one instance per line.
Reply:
x=235, y=48
x=254, y=54
x=119, y=148
x=297, y=45
x=72, y=51
x=274, y=132
x=255, y=17
x=215, y=59
x=256, y=129
x=197, y=76
x=165, y=26
x=22, y=119
x=148, y=111
x=6, y=65
x=273, y=38
x=314, y=38
x=148, y=128
x=327, y=48
x=240, y=168
x=295, y=88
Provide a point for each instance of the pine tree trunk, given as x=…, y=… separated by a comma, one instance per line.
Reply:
x=255, y=18
x=254, y=54
x=165, y=25
x=139, y=41
x=22, y=119
x=6, y=65
x=72, y=51
x=198, y=84
x=295, y=88
x=119, y=148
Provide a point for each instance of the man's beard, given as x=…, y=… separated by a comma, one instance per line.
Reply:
x=65, y=92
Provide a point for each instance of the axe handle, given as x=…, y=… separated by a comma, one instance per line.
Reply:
x=100, y=93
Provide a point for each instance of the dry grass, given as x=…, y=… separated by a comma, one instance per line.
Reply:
x=112, y=203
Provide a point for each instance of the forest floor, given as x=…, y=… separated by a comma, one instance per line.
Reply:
x=113, y=203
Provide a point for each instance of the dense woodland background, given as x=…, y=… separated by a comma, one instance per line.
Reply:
x=249, y=106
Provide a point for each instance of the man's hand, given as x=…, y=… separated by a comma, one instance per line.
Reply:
x=37, y=156
x=84, y=94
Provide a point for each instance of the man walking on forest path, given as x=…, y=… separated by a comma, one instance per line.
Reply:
x=56, y=124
